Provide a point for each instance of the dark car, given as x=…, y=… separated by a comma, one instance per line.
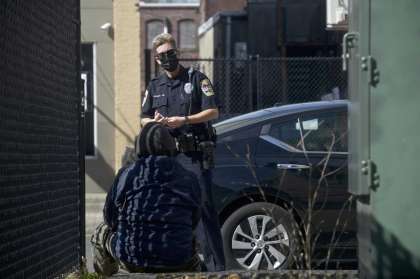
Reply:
x=280, y=188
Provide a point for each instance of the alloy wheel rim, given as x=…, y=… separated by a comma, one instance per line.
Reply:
x=260, y=243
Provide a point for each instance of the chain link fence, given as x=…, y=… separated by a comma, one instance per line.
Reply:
x=245, y=85
x=41, y=167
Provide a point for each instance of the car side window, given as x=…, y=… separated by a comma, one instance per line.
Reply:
x=241, y=140
x=242, y=134
x=321, y=132
x=286, y=132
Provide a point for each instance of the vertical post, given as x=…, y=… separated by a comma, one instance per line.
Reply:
x=228, y=60
x=250, y=85
x=147, y=66
x=253, y=81
x=81, y=112
x=257, y=81
x=284, y=80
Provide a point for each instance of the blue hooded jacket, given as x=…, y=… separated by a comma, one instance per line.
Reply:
x=153, y=208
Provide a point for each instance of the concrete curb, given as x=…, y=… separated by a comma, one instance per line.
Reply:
x=286, y=274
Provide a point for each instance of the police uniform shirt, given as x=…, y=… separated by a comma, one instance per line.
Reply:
x=179, y=97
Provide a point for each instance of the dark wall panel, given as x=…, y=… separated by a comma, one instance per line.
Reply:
x=263, y=28
x=40, y=171
x=304, y=22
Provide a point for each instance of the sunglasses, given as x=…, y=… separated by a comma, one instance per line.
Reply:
x=166, y=55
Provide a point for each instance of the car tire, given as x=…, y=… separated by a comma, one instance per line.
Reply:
x=246, y=248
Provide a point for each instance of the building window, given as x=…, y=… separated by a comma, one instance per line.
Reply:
x=187, y=34
x=153, y=28
x=88, y=79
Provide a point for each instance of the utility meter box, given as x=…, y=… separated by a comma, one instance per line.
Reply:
x=382, y=56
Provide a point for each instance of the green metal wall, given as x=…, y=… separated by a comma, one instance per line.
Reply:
x=385, y=134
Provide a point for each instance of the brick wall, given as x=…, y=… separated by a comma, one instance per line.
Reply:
x=126, y=76
x=40, y=149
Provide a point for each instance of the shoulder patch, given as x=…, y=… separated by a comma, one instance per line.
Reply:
x=206, y=87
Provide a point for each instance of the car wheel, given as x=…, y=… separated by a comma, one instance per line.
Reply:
x=260, y=236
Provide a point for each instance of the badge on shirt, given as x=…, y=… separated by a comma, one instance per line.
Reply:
x=206, y=87
x=145, y=98
x=188, y=88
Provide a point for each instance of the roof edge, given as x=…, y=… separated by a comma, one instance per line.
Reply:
x=208, y=24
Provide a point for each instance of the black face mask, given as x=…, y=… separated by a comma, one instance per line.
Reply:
x=168, y=60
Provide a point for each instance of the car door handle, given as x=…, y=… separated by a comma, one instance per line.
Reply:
x=292, y=166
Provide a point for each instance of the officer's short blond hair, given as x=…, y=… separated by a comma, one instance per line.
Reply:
x=163, y=39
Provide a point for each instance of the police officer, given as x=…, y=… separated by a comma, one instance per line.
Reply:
x=184, y=100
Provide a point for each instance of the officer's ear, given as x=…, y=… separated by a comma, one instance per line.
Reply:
x=157, y=58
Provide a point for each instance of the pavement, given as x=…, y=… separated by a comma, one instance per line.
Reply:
x=94, y=205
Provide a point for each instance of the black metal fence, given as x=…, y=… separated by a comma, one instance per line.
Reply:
x=250, y=84
x=245, y=85
x=41, y=172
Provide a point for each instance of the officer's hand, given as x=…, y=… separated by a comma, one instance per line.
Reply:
x=176, y=121
x=160, y=118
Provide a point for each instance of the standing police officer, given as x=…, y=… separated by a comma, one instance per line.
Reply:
x=184, y=100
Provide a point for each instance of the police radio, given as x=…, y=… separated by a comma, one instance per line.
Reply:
x=190, y=143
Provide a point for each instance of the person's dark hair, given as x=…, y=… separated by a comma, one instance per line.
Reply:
x=155, y=139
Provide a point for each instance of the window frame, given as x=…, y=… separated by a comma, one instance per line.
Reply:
x=164, y=29
x=94, y=101
x=180, y=22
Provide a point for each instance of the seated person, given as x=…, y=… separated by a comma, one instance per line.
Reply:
x=150, y=212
